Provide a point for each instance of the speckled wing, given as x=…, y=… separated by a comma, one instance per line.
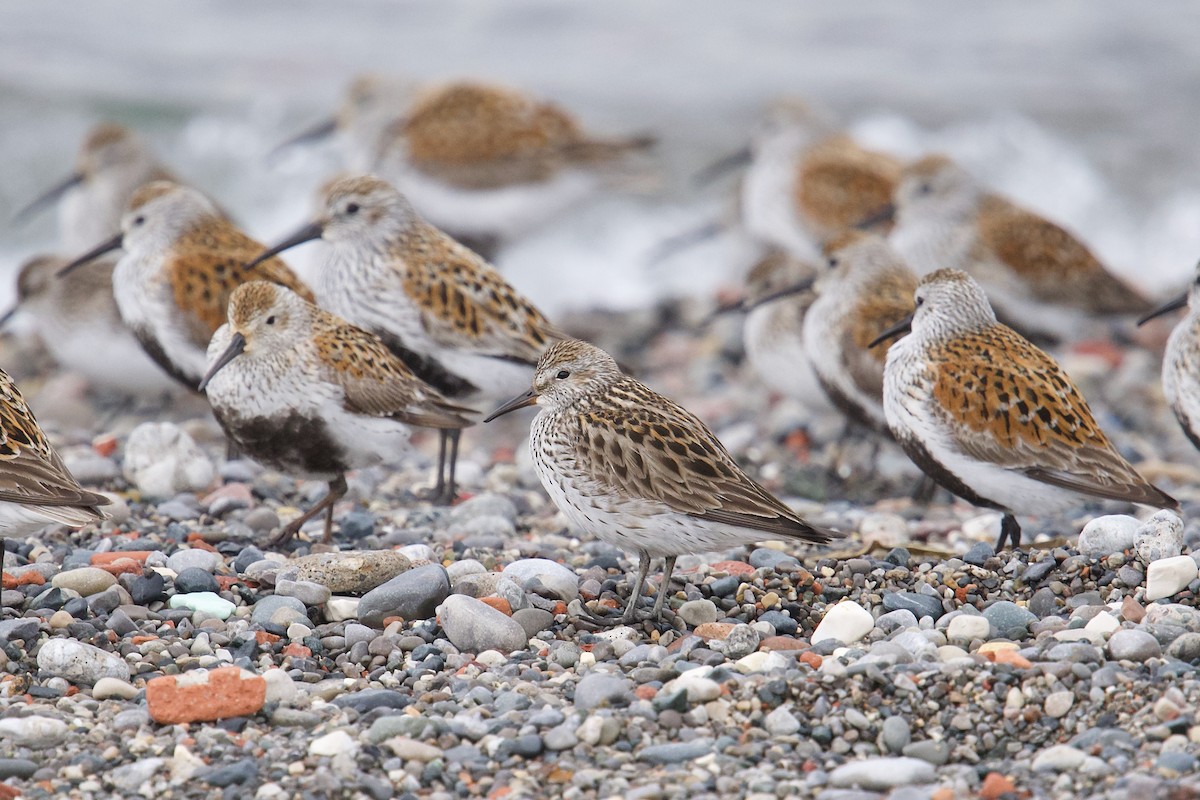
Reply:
x=1007, y=403
x=467, y=305
x=1055, y=265
x=478, y=137
x=839, y=184
x=376, y=383
x=637, y=444
x=208, y=263
x=31, y=472
x=889, y=299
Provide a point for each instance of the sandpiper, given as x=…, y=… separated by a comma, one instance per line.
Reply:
x=991, y=417
x=1181, y=361
x=439, y=307
x=1041, y=278
x=182, y=260
x=36, y=489
x=867, y=289
x=637, y=470
x=311, y=395
x=78, y=323
x=482, y=161
x=112, y=162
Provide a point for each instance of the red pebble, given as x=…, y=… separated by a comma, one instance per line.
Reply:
x=225, y=693
x=733, y=567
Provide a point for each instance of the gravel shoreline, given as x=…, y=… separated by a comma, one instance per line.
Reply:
x=434, y=652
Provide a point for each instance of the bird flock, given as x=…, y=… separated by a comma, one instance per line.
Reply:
x=886, y=294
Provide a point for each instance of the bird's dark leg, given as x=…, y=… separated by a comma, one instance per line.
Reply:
x=634, y=596
x=337, y=490
x=1009, y=529
x=663, y=588
x=924, y=490
x=446, y=489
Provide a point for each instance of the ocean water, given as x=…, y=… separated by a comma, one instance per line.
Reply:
x=1086, y=111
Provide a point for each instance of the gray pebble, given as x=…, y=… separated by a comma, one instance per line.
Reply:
x=412, y=595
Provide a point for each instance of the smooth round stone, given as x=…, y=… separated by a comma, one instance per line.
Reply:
x=1186, y=648
x=884, y=772
x=17, y=768
x=339, y=609
x=473, y=626
x=1133, y=645
x=492, y=584
x=1108, y=535
x=194, y=558
x=783, y=624
x=34, y=732
x=461, y=569
x=261, y=520
x=148, y=588
x=194, y=579
x=899, y=619
x=332, y=744
x=85, y=580
x=417, y=552
x=351, y=571
x=966, y=627
x=1159, y=537
x=411, y=595
x=741, y=641
x=267, y=607
x=487, y=504
x=1169, y=576
x=113, y=687
x=921, y=605
x=1009, y=619
x=60, y=619
x=698, y=687
x=204, y=602
x=781, y=722
x=560, y=580
x=600, y=688
x=698, y=612
x=80, y=663
x=533, y=620
x=916, y=644
x=1058, y=758
x=846, y=622
x=766, y=558
x=307, y=592
x=895, y=734
x=675, y=753
x=1057, y=704
x=979, y=553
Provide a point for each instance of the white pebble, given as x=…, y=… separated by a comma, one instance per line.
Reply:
x=332, y=744
x=847, y=622
x=1167, y=576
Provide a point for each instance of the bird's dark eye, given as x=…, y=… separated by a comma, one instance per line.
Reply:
x=833, y=262
x=352, y=208
x=563, y=374
x=271, y=320
x=920, y=301
x=139, y=220
x=925, y=188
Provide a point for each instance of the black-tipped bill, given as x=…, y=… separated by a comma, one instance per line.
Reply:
x=97, y=251
x=723, y=166
x=236, y=345
x=7, y=315
x=520, y=401
x=322, y=130
x=1166, y=308
x=899, y=329
x=49, y=196
x=312, y=230
x=884, y=216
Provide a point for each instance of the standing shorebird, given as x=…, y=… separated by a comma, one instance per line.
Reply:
x=36, y=489
x=484, y=162
x=778, y=296
x=866, y=290
x=438, y=306
x=1181, y=361
x=639, y=471
x=991, y=417
x=111, y=164
x=78, y=323
x=182, y=260
x=309, y=394
x=1041, y=278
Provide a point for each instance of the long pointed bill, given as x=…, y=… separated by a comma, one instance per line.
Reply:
x=95, y=252
x=900, y=328
x=7, y=315
x=520, y=401
x=788, y=291
x=46, y=198
x=309, y=232
x=684, y=241
x=236, y=345
x=1167, y=308
x=322, y=130
x=723, y=166
x=884, y=216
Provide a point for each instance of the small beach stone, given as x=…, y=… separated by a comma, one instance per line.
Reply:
x=882, y=773
x=597, y=689
x=473, y=626
x=1169, y=576
x=85, y=580
x=80, y=663
x=1109, y=534
x=201, y=695
x=162, y=461
x=921, y=605
x=1133, y=645
x=846, y=622
x=35, y=732
x=350, y=571
x=967, y=627
x=307, y=592
x=1159, y=537
x=414, y=594
x=1008, y=618
x=194, y=579
x=113, y=687
x=698, y=612
x=205, y=602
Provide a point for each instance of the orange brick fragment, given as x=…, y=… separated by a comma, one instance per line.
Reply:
x=196, y=540
x=1011, y=657
x=121, y=566
x=100, y=559
x=498, y=603
x=204, y=696
x=645, y=692
x=105, y=444
x=782, y=643
x=733, y=567
x=713, y=630
x=297, y=650
x=226, y=581
x=266, y=637
x=810, y=658
x=996, y=785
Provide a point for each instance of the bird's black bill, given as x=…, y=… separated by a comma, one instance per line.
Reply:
x=322, y=130
x=520, y=401
x=95, y=252
x=723, y=166
x=7, y=315
x=684, y=241
x=47, y=198
x=1167, y=308
x=884, y=216
x=788, y=291
x=900, y=328
x=236, y=345
x=309, y=232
